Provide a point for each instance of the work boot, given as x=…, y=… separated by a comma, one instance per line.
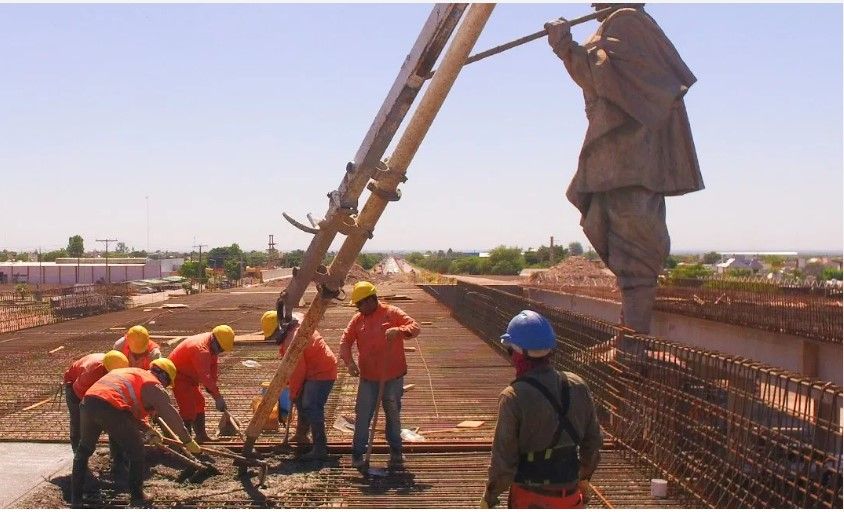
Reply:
x=318, y=452
x=142, y=500
x=396, y=459
x=300, y=438
x=201, y=435
x=357, y=461
x=77, y=484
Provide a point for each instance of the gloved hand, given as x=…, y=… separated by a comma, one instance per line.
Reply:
x=220, y=403
x=153, y=437
x=585, y=490
x=394, y=334
x=559, y=34
x=193, y=447
x=354, y=371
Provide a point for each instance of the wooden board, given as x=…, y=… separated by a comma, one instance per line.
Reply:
x=470, y=424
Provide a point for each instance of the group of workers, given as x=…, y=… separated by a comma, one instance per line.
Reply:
x=546, y=440
x=116, y=392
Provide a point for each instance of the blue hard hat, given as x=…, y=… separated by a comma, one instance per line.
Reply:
x=530, y=331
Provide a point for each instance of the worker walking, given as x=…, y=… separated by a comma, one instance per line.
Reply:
x=119, y=404
x=547, y=438
x=379, y=330
x=138, y=348
x=81, y=375
x=196, y=360
x=311, y=381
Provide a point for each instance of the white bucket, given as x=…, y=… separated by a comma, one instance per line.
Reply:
x=659, y=488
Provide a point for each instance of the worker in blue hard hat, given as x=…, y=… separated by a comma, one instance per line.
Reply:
x=547, y=438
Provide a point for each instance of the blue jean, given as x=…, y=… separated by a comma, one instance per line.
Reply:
x=311, y=405
x=365, y=408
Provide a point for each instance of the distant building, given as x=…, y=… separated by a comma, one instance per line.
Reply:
x=68, y=271
x=740, y=263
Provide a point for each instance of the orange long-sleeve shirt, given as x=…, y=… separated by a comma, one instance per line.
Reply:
x=377, y=358
x=196, y=363
x=84, y=372
x=318, y=362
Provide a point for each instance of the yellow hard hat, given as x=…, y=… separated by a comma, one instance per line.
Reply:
x=138, y=338
x=115, y=359
x=166, y=365
x=269, y=323
x=224, y=336
x=362, y=290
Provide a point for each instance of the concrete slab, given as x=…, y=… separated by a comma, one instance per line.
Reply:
x=23, y=466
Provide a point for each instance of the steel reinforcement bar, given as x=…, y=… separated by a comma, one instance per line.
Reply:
x=809, y=309
x=25, y=308
x=732, y=432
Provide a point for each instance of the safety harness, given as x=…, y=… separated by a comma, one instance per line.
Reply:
x=556, y=464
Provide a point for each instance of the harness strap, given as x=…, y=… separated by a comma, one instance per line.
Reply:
x=563, y=423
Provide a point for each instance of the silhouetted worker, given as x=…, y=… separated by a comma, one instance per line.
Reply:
x=638, y=147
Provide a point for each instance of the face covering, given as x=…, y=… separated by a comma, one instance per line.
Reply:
x=525, y=364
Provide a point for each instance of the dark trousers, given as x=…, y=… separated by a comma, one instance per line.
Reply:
x=311, y=405
x=124, y=434
x=73, y=413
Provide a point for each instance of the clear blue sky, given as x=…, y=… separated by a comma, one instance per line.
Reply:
x=227, y=115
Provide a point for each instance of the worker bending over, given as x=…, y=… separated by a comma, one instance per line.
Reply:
x=119, y=404
x=547, y=438
x=310, y=384
x=196, y=360
x=137, y=347
x=379, y=330
x=81, y=375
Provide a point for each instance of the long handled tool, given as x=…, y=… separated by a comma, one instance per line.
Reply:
x=370, y=470
x=197, y=470
x=536, y=35
x=240, y=460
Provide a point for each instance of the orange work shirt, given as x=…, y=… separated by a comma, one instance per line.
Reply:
x=377, y=358
x=318, y=362
x=84, y=372
x=195, y=363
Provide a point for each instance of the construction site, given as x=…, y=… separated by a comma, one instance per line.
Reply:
x=733, y=399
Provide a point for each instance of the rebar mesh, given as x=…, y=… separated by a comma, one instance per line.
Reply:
x=803, y=308
x=732, y=432
x=26, y=308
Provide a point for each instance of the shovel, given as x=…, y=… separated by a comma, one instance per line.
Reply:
x=229, y=426
x=197, y=470
x=239, y=459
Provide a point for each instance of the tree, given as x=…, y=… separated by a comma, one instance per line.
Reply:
x=711, y=258
x=696, y=271
x=831, y=273
x=292, y=258
x=138, y=254
x=232, y=269
x=75, y=246
x=671, y=262
x=52, y=255
x=575, y=249
x=591, y=255
x=506, y=260
x=121, y=248
x=190, y=269
x=368, y=260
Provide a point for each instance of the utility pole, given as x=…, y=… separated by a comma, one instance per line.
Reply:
x=551, y=253
x=108, y=271
x=147, y=201
x=201, y=269
x=271, y=253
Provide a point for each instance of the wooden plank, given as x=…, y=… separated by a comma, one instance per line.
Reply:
x=408, y=387
x=470, y=424
x=37, y=404
x=60, y=347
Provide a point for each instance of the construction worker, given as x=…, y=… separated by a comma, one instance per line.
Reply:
x=379, y=330
x=547, y=438
x=137, y=347
x=119, y=404
x=310, y=384
x=196, y=359
x=81, y=375
x=638, y=148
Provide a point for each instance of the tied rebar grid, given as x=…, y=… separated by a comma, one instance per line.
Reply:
x=810, y=309
x=732, y=432
x=25, y=308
